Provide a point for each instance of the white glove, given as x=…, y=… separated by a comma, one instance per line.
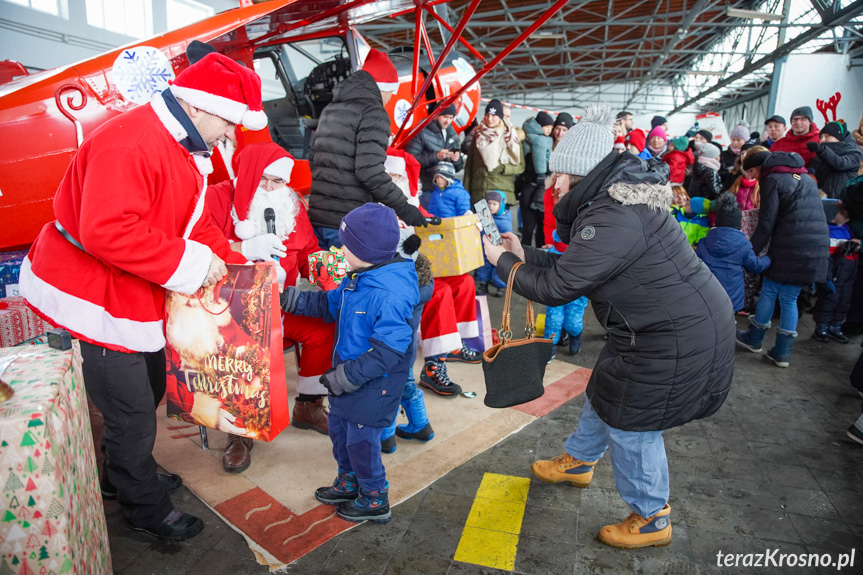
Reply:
x=262, y=248
x=226, y=423
x=281, y=275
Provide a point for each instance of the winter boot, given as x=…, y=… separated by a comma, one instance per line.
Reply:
x=574, y=344
x=435, y=378
x=388, y=437
x=753, y=338
x=344, y=489
x=177, y=526
x=553, y=354
x=564, y=469
x=464, y=355
x=636, y=531
x=855, y=432
x=780, y=354
x=482, y=288
x=563, y=341
x=820, y=333
x=418, y=426
x=835, y=333
x=369, y=506
x=310, y=415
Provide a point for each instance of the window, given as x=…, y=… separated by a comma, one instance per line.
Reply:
x=53, y=7
x=271, y=86
x=184, y=12
x=128, y=17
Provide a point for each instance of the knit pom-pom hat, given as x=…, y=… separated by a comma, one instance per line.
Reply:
x=585, y=144
x=371, y=233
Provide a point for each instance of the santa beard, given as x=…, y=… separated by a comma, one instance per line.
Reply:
x=284, y=202
x=193, y=331
x=404, y=185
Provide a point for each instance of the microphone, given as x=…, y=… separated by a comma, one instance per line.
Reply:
x=270, y=218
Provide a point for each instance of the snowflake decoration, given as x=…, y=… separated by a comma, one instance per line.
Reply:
x=140, y=72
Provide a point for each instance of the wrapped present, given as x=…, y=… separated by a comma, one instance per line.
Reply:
x=10, y=267
x=454, y=247
x=333, y=259
x=18, y=323
x=51, y=515
x=483, y=341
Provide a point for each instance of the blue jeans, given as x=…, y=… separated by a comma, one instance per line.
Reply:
x=357, y=448
x=787, y=294
x=327, y=237
x=637, y=457
x=569, y=317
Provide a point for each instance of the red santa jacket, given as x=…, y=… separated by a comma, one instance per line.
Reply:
x=792, y=143
x=677, y=162
x=134, y=198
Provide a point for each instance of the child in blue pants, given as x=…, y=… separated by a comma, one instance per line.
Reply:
x=372, y=309
x=569, y=316
x=503, y=219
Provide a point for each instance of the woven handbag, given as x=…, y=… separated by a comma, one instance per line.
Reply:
x=514, y=369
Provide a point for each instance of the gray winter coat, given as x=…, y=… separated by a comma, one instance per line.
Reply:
x=669, y=358
x=425, y=146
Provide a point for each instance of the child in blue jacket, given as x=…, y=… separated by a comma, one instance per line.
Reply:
x=449, y=198
x=503, y=220
x=372, y=309
x=727, y=252
x=834, y=296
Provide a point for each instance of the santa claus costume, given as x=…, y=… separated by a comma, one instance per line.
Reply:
x=238, y=207
x=121, y=238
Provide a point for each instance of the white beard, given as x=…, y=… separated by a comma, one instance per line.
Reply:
x=404, y=185
x=192, y=330
x=284, y=202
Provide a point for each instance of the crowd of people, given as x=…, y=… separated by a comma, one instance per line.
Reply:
x=668, y=237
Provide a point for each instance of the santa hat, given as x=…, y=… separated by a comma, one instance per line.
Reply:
x=620, y=143
x=218, y=85
x=254, y=160
x=382, y=70
x=402, y=163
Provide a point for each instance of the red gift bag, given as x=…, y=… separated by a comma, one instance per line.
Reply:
x=226, y=366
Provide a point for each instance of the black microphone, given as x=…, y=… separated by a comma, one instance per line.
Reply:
x=270, y=218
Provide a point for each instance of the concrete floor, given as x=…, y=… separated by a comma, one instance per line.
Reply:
x=772, y=469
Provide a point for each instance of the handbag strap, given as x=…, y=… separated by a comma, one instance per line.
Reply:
x=530, y=324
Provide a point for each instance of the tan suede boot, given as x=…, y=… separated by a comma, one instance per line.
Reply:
x=564, y=469
x=636, y=531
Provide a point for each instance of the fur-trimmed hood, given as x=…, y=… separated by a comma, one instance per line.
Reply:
x=656, y=196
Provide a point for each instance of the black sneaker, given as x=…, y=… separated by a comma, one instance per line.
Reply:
x=435, y=378
x=855, y=432
x=371, y=506
x=343, y=490
x=171, y=481
x=177, y=526
x=820, y=334
x=464, y=355
x=835, y=333
x=388, y=445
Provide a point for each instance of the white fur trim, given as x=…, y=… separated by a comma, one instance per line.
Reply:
x=174, y=127
x=245, y=230
x=225, y=108
x=199, y=210
x=255, y=120
x=658, y=197
x=205, y=410
x=388, y=86
x=441, y=345
x=192, y=269
x=310, y=385
x=204, y=164
x=396, y=165
x=281, y=168
x=87, y=318
x=468, y=329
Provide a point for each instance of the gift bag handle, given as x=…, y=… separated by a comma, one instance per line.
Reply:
x=530, y=325
x=216, y=289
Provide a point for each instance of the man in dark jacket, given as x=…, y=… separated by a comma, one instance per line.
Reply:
x=437, y=143
x=837, y=158
x=803, y=131
x=670, y=352
x=347, y=158
x=792, y=220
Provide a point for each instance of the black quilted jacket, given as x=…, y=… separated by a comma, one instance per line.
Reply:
x=347, y=158
x=669, y=358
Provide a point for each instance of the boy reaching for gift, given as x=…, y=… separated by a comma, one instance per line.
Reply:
x=372, y=309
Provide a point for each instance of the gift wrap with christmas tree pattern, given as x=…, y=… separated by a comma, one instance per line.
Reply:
x=454, y=247
x=51, y=515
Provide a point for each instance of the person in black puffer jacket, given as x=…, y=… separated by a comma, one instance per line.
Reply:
x=347, y=158
x=837, y=158
x=792, y=221
x=669, y=358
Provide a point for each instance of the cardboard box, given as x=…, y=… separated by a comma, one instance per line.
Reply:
x=52, y=516
x=454, y=247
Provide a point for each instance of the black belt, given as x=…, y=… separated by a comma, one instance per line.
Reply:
x=68, y=236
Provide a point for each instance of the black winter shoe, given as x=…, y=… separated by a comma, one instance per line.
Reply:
x=464, y=355
x=435, y=378
x=835, y=333
x=371, y=506
x=820, y=334
x=482, y=289
x=171, y=481
x=424, y=434
x=345, y=488
x=176, y=527
x=388, y=445
x=563, y=340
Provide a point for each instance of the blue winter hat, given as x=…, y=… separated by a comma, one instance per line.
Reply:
x=371, y=233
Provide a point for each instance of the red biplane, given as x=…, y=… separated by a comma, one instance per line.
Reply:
x=301, y=49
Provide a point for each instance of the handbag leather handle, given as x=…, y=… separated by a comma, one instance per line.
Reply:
x=530, y=324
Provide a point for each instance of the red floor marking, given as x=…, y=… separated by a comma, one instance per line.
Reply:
x=277, y=529
x=558, y=393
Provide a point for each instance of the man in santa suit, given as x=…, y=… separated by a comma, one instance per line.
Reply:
x=131, y=224
x=237, y=207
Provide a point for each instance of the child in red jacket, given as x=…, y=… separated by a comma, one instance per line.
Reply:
x=678, y=157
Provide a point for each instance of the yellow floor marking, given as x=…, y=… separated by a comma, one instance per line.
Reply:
x=490, y=536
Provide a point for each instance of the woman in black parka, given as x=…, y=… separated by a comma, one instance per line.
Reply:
x=791, y=219
x=670, y=352
x=837, y=158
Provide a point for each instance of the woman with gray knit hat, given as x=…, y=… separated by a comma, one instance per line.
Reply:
x=670, y=351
